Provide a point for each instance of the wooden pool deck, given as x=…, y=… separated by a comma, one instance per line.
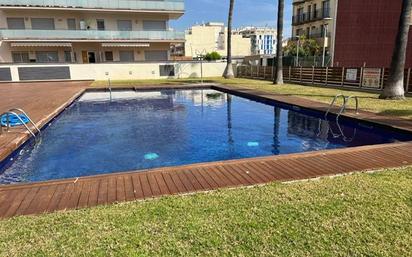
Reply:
x=47, y=100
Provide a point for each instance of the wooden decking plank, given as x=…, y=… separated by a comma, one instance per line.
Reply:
x=228, y=177
x=219, y=182
x=154, y=187
x=66, y=197
x=57, y=196
x=93, y=198
x=164, y=190
x=27, y=201
x=200, y=179
x=186, y=181
x=75, y=196
x=120, y=189
x=193, y=181
x=137, y=187
x=111, y=190
x=241, y=173
x=128, y=188
x=263, y=170
x=102, y=194
x=254, y=173
x=239, y=179
x=84, y=195
x=43, y=200
x=41, y=194
x=7, y=200
x=169, y=182
x=292, y=171
x=178, y=183
x=209, y=179
x=147, y=192
x=280, y=171
x=15, y=204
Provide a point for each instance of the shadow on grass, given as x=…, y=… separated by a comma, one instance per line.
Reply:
x=394, y=112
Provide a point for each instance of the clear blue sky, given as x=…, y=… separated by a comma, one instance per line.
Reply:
x=247, y=12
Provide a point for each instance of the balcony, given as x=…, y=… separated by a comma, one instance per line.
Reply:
x=91, y=35
x=307, y=17
x=149, y=5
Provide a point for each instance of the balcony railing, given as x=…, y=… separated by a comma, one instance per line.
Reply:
x=165, y=5
x=6, y=34
x=311, y=16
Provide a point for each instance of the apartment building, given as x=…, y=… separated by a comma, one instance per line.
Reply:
x=212, y=37
x=358, y=33
x=262, y=40
x=93, y=31
x=315, y=19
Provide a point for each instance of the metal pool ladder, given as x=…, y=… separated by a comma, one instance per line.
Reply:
x=16, y=111
x=344, y=105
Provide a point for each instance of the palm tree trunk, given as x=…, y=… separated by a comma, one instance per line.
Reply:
x=394, y=89
x=229, y=68
x=279, y=51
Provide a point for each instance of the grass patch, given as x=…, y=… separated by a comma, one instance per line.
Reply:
x=357, y=215
x=368, y=101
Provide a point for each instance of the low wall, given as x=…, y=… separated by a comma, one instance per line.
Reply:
x=114, y=71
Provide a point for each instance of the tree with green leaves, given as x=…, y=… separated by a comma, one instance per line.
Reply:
x=307, y=47
x=394, y=88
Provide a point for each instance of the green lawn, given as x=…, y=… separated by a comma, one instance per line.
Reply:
x=356, y=215
x=368, y=101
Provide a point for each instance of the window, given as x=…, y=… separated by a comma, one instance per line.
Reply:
x=126, y=56
x=315, y=11
x=42, y=23
x=154, y=25
x=100, y=25
x=156, y=55
x=15, y=23
x=47, y=56
x=167, y=70
x=108, y=56
x=124, y=25
x=71, y=24
x=68, y=56
x=20, y=57
x=309, y=12
x=325, y=9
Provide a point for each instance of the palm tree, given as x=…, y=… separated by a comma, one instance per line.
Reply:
x=229, y=68
x=279, y=51
x=394, y=88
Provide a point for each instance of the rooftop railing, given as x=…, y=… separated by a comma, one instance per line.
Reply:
x=165, y=5
x=6, y=34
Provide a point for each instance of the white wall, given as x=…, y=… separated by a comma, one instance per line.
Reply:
x=132, y=71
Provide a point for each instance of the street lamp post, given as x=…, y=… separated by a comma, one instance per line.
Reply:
x=325, y=34
x=297, y=51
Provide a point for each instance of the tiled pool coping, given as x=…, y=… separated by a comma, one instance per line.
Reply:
x=49, y=196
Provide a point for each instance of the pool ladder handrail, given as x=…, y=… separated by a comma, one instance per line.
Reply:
x=343, y=106
x=15, y=111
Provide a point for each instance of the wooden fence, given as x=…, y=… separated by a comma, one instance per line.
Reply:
x=327, y=76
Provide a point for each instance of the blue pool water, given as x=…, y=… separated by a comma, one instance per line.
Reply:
x=140, y=130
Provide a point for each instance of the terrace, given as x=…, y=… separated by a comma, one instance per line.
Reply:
x=136, y=5
x=89, y=35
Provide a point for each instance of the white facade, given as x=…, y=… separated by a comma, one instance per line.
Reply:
x=74, y=31
x=263, y=40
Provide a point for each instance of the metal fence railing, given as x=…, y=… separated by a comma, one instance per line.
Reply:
x=350, y=77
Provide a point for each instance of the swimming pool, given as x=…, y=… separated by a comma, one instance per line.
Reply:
x=104, y=133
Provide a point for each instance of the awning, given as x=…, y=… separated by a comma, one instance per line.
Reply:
x=51, y=44
x=125, y=45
